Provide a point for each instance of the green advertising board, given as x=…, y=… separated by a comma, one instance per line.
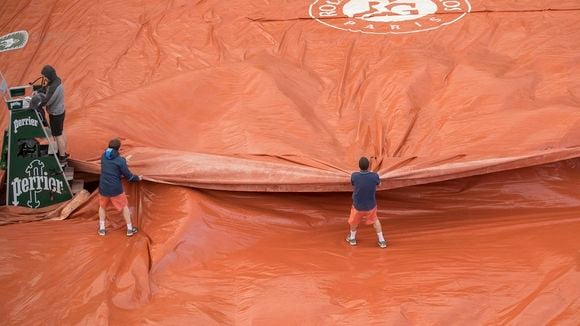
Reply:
x=34, y=176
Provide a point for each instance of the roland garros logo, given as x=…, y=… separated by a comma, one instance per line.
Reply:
x=388, y=16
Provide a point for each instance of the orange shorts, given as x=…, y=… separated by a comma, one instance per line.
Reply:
x=118, y=201
x=356, y=216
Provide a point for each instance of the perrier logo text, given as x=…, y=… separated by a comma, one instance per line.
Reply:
x=24, y=122
x=36, y=182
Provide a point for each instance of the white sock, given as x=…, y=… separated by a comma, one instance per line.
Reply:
x=352, y=234
x=380, y=235
x=101, y=225
x=129, y=226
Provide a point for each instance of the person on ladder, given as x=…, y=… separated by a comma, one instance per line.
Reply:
x=54, y=102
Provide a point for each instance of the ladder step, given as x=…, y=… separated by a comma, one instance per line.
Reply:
x=50, y=143
x=77, y=185
x=52, y=147
x=69, y=173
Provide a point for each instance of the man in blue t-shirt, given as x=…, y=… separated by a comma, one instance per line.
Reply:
x=364, y=204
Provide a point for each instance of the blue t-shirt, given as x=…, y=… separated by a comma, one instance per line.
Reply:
x=364, y=188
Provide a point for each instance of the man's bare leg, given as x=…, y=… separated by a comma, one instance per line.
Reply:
x=61, y=144
x=351, y=238
x=127, y=215
x=353, y=229
x=102, y=217
x=379, y=230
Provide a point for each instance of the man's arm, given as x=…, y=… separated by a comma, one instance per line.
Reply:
x=125, y=171
x=49, y=95
x=52, y=95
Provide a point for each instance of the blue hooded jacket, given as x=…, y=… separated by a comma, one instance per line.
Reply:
x=113, y=166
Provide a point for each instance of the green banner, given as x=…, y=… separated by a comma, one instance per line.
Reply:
x=35, y=177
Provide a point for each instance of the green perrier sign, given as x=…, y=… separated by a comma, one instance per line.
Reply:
x=35, y=177
x=13, y=41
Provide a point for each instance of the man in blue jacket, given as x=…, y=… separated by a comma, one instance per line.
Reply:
x=113, y=167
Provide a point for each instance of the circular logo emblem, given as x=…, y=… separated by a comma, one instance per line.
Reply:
x=13, y=41
x=388, y=16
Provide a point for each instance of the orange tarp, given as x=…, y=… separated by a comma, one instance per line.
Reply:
x=247, y=118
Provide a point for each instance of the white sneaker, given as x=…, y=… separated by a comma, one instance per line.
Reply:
x=132, y=231
x=351, y=241
x=382, y=244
